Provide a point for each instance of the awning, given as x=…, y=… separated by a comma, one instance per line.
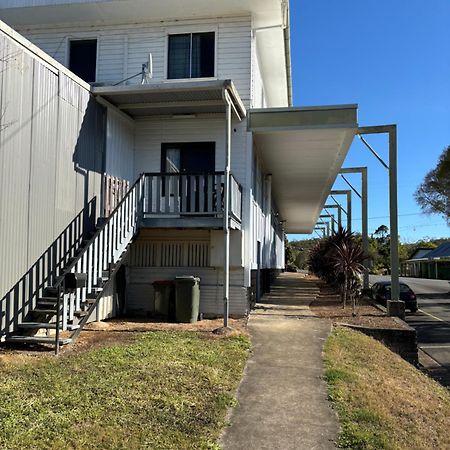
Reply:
x=303, y=149
x=172, y=98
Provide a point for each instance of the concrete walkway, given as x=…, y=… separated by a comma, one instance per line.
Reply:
x=283, y=398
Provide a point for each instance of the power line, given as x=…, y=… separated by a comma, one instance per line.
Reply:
x=387, y=217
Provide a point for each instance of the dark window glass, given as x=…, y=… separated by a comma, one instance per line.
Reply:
x=191, y=55
x=179, y=56
x=83, y=59
x=189, y=157
x=203, y=49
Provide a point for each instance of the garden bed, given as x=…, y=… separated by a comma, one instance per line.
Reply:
x=328, y=305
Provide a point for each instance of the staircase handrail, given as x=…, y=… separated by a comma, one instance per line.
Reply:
x=96, y=234
x=59, y=284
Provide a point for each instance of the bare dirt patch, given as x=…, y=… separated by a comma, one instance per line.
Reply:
x=122, y=331
x=328, y=305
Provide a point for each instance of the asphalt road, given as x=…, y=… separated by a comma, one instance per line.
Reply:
x=432, y=321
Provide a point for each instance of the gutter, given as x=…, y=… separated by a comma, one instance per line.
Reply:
x=287, y=52
x=235, y=99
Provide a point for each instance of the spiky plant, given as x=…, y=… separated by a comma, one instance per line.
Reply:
x=348, y=263
x=338, y=261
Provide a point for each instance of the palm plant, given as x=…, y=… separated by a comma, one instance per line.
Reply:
x=338, y=261
x=347, y=262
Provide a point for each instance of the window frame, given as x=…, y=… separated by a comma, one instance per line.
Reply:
x=190, y=30
x=70, y=39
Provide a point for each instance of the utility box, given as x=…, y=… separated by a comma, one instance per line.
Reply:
x=74, y=281
x=187, y=299
x=164, y=296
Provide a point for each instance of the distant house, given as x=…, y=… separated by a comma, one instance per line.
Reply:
x=429, y=263
x=142, y=141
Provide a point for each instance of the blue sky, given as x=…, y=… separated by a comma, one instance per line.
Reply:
x=393, y=59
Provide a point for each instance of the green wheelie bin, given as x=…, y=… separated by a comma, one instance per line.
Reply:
x=164, y=296
x=187, y=299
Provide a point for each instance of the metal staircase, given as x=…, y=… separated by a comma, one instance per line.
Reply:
x=64, y=308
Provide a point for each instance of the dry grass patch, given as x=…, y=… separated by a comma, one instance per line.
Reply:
x=156, y=390
x=382, y=401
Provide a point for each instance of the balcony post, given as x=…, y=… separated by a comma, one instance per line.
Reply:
x=226, y=212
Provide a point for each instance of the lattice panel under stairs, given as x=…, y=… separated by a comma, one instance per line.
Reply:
x=170, y=254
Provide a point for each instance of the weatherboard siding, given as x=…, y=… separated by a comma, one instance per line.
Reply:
x=140, y=294
x=122, y=49
x=152, y=132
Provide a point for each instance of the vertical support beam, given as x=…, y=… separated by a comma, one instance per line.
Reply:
x=339, y=216
x=391, y=130
x=365, y=226
x=365, y=217
x=349, y=210
x=348, y=193
x=226, y=213
x=393, y=212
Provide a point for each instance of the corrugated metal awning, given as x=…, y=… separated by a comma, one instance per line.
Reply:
x=303, y=149
x=172, y=98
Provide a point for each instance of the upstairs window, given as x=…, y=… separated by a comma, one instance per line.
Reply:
x=191, y=55
x=83, y=59
x=188, y=157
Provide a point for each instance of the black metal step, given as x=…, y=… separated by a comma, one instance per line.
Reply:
x=89, y=301
x=51, y=291
x=48, y=326
x=44, y=311
x=37, y=340
x=48, y=298
x=80, y=314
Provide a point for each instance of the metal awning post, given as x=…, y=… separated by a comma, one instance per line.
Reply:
x=322, y=230
x=391, y=130
x=339, y=210
x=365, y=217
x=334, y=222
x=348, y=193
x=330, y=224
x=326, y=226
x=226, y=211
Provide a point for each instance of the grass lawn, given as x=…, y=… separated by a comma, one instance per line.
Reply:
x=382, y=401
x=163, y=390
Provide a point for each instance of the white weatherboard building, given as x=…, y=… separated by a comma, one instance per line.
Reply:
x=142, y=140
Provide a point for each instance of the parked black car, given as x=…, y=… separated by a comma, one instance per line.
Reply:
x=381, y=292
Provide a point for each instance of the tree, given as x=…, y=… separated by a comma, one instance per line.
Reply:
x=382, y=231
x=290, y=253
x=433, y=195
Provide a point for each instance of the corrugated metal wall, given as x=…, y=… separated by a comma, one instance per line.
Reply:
x=52, y=137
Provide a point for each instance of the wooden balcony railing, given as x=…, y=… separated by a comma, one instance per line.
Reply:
x=189, y=194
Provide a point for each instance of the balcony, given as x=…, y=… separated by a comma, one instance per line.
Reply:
x=189, y=200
